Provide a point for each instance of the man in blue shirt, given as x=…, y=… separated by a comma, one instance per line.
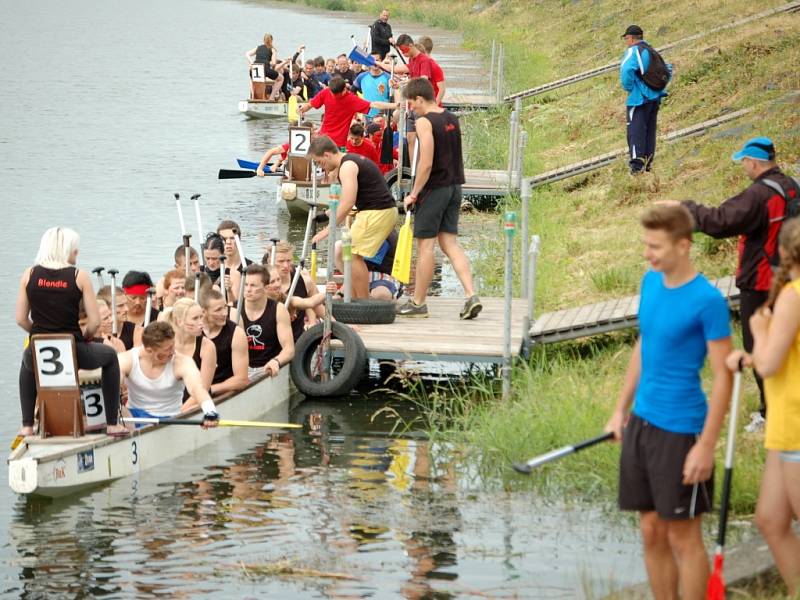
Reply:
x=374, y=86
x=668, y=439
x=643, y=101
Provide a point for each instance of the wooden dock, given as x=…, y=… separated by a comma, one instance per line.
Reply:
x=468, y=102
x=445, y=337
x=602, y=317
x=486, y=182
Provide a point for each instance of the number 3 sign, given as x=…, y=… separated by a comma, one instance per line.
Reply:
x=54, y=358
x=299, y=141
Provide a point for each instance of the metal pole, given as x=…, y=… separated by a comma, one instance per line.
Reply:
x=512, y=146
x=510, y=227
x=523, y=141
x=243, y=262
x=197, y=287
x=186, y=253
x=222, y=287
x=148, y=307
x=525, y=192
x=114, y=326
x=500, y=65
x=347, y=258
x=196, y=200
x=333, y=206
x=491, y=67
x=401, y=138
x=533, y=255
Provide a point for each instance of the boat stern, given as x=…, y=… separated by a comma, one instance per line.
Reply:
x=23, y=475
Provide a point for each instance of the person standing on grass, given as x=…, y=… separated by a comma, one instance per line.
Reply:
x=776, y=356
x=643, y=101
x=668, y=438
x=437, y=197
x=755, y=216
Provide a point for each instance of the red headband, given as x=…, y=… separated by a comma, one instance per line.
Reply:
x=140, y=289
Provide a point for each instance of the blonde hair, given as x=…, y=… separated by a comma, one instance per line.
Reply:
x=56, y=247
x=789, y=241
x=179, y=310
x=268, y=40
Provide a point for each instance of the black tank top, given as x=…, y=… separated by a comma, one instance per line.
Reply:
x=263, y=55
x=448, y=161
x=223, y=343
x=54, y=297
x=299, y=321
x=126, y=335
x=212, y=275
x=262, y=336
x=373, y=193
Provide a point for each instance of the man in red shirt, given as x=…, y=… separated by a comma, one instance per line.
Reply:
x=358, y=144
x=438, y=74
x=340, y=108
x=419, y=63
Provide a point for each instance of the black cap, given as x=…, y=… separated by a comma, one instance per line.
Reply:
x=633, y=30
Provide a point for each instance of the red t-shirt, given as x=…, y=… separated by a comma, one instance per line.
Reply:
x=422, y=66
x=285, y=152
x=438, y=76
x=339, y=113
x=366, y=149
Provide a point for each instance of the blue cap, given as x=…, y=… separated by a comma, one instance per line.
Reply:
x=760, y=148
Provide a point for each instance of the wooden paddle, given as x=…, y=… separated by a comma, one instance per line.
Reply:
x=221, y=422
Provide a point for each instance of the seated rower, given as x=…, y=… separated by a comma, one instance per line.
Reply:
x=305, y=306
x=156, y=376
x=230, y=342
x=174, y=289
x=135, y=285
x=228, y=230
x=358, y=144
x=103, y=334
x=213, y=248
x=201, y=279
x=266, y=323
x=180, y=261
x=124, y=328
x=282, y=152
x=186, y=318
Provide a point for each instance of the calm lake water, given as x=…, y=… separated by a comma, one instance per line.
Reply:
x=106, y=109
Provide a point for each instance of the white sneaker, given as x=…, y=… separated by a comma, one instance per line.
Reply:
x=756, y=424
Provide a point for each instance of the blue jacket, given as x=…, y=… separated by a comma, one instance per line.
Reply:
x=634, y=64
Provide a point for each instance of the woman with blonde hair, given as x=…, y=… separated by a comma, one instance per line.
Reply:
x=265, y=54
x=50, y=293
x=186, y=318
x=776, y=357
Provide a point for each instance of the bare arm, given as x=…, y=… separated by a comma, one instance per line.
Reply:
x=700, y=460
x=425, y=162
x=187, y=371
x=442, y=90
x=208, y=362
x=250, y=55
x=625, y=399
x=22, y=312
x=774, y=333
x=266, y=158
x=286, y=339
x=89, y=303
x=239, y=360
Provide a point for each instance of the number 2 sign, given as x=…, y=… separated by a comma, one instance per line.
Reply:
x=299, y=141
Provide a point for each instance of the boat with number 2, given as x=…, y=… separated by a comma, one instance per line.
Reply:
x=58, y=466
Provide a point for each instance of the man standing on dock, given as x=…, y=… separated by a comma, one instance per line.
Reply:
x=437, y=196
x=636, y=69
x=381, y=34
x=668, y=439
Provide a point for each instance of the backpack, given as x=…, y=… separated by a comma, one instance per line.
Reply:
x=657, y=74
x=791, y=211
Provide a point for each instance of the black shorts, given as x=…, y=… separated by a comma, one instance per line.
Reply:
x=437, y=211
x=651, y=473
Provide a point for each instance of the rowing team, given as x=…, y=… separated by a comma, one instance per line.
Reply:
x=174, y=357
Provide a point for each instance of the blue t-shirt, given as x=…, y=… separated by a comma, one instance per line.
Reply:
x=374, y=89
x=675, y=324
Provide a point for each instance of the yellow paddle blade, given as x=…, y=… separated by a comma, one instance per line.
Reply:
x=313, y=269
x=224, y=423
x=292, y=108
x=401, y=268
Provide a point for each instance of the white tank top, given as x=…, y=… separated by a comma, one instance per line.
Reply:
x=161, y=397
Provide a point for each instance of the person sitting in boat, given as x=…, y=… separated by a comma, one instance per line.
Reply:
x=179, y=264
x=330, y=67
x=104, y=293
x=228, y=230
x=267, y=55
x=281, y=151
x=305, y=307
x=343, y=69
x=230, y=342
x=213, y=248
x=358, y=144
x=157, y=375
x=321, y=76
x=104, y=334
x=135, y=285
x=363, y=188
x=174, y=289
x=186, y=318
x=340, y=108
x=266, y=323
x=312, y=86
x=199, y=280
x=48, y=301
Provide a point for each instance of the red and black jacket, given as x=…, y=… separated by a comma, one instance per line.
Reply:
x=756, y=216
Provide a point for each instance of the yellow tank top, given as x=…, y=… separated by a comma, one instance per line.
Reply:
x=783, y=397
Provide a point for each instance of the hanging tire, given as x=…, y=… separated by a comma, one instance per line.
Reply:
x=391, y=181
x=348, y=369
x=364, y=312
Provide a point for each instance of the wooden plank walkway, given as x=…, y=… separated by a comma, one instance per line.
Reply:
x=467, y=102
x=486, y=182
x=445, y=337
x=602, y=317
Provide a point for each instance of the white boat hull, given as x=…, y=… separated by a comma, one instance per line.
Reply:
x=263, y=110
x=64, y=465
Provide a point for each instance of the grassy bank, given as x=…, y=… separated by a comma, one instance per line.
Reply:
x=588, y=225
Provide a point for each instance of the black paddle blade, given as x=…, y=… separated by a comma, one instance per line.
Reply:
x=522, y=468
x=235, y=174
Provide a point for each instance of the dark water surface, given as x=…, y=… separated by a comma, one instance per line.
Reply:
x=106, y=109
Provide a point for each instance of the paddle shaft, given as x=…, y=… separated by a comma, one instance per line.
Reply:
x=542, y=459
x=731, y=444
x=221, y=422
x=238, y=174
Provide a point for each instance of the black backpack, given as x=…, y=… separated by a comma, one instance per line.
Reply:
x=657, y=74
x=792, y=206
